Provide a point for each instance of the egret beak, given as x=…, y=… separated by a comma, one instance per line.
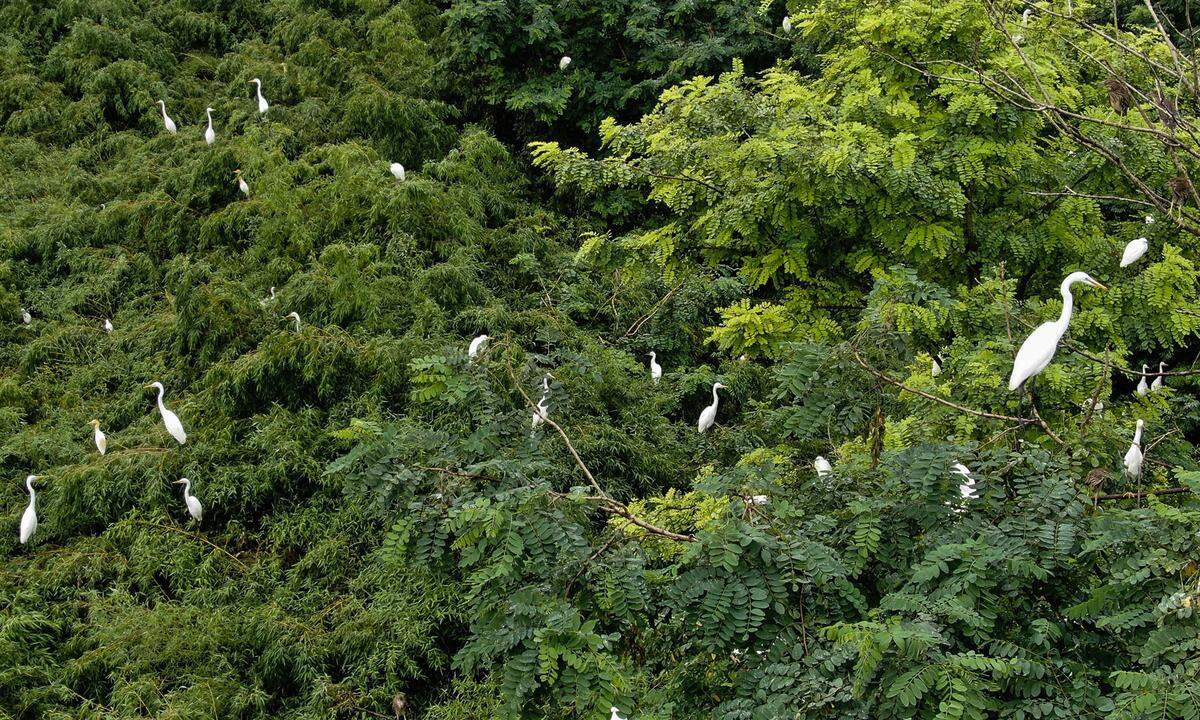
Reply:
x=148, y=386
x=178, y=482
x=1098, y=284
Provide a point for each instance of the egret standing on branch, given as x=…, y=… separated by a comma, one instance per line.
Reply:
x=294, y=316
x=562, y=64
x=168, y=123
x=822, y=466
x=1133, y=251
x=210, y=135
x=170, y=419
x=1142, y=387
x=614, y=715
x=655, y=368
x=935, y=368
x=1133, y=457
x=542, y=411
x=29, y=517
x=1038, y=349
x=241, y=182
x=476, y=345
x=787, y=23
x=1158, y=380
x=708, y=416
x=195, y=509
x=269, y=298
x=398, y=171
x=262, y=101
x=25, y=316
x=101, y=440
x=108, y=326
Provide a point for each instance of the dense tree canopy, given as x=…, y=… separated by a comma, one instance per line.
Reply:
x=851, y=225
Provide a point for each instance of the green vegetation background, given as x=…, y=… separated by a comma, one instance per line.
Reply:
x=776, y=211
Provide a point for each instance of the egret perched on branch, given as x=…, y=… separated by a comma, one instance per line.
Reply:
x=1038, y=349
x=655, y=368
x=241, y=182
x=210, y=136
x=195, y=509
x=1142, y=387
x=476, y=346
x=262, y=101
x=25, y=316
x=709, y=415
x=108, y=326
x=562, y=64
x=168, y=123
x=29, y=517
x=294, y=316
x=787, y=23
x=1134, y=250
x=614, y=715
x=822, y=466
x=1133, y=457
x=935, y=368
x=542, y=411
x=1158, y=380
x=101, y=440
x=170, y=419
x=397, y=170
x=270, y=297
x=1025, y=17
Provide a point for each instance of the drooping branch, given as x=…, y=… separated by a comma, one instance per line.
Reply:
x=1142, y=494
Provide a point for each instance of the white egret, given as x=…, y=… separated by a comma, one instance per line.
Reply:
x=935, y=369
x=1149, y=219
x=709, y=415
x=1142, y=387
x=170, y=419
x=562, y=64
x=1038, y=349
x=294, y=316
x=210, y=136
x=476, y=345
x=195, y=509
x=262, y=101
x=29, y=517
x=270, y=297
x=25, y=316
x=1094, y=405
x=1134, y=250
x=108, y=326
x=398, y=171
x=614, y=715
x=1025, y=17
x=241, y=182
x=542, y=411
x=101, y=439
x=655, y=368
x=967, y=489
x=1158, y=379
x=168, y=123
x=787, y=23
x=759, y=499
x=1133, y=457
x=822, y=466
x=546, y=383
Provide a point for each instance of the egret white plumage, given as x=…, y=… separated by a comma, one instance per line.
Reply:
x=967, y=489
x=787, y=23
x=210, y=135
x=269, y=298
x=542, y=411
x=108, y=326
x=168, y=123
x=709, y=415
x=170, y=419
x=294, y=316
x=99, y=437
x=262, y=101
x=759, y=499
x=935, y=369
x=1142, y=387
x=476, y=345
x=562, y=64
x=1134, y=250
x=655, y=368
x=1038, y=349
x=241, y=182
x=29, y=517
x=1025, y=17
x=614, y=715
x=1133, y=456
x=195, y=509
x=1094, y=405
x=25, y=316
x=1149, y=219
x=397, y=170
x=1158, y=379
x=822, y=466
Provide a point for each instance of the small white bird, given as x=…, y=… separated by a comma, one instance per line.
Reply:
x=546, y=383
x=1025, y=17
x=294, y=316
x=935, y=369
x=210, y=136
x=614, y=715
x=1038, y=349
x=1149, y=219
x=25, y=316
x=1158, y=379
x=262, y=101
x=709, y=415
x=476, y=346
x=967, y=489
x=1142, y=387
x=1134, y=250
x=108, y=326
x=168, y=123
x=241, y=182
x=759, y=499
x=562, y=64
x=195, y=509
x=1133, y=457
x=269, y=298
x=1095, y=405
x=655, y=368
x=542, y=411
x=822, y=466
x=397, y=170
x=787, y=23
x=29, y=517
x=170, y=419
x=101, y=440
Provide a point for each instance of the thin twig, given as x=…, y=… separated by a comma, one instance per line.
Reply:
x=636, y=327
x=1142, y=494
x=194, y=536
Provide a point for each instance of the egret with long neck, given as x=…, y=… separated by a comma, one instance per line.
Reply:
x=170, y=419
x=709, y=415
x=210, y=135
x=1038, y=349
x=168, y=123
x=262, y=101
x=29, y=518
x=1133, y=457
